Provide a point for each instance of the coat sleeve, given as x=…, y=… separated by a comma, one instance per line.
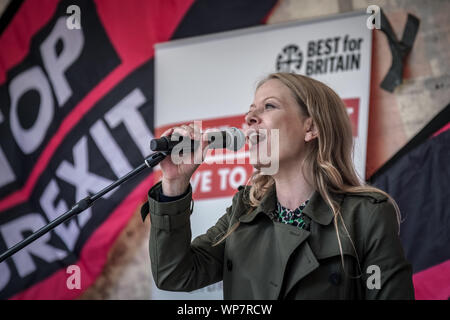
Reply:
x=177, y=264
x=384, y=255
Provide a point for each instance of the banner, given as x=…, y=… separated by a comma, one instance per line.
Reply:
x=418, y=177
x=214, y=78
x=77, y=114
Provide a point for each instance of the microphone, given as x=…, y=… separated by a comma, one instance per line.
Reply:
x=230, y=138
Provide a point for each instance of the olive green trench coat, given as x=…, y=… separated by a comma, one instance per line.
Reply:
x=264, y=259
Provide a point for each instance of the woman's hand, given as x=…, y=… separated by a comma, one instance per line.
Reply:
x=176, y=176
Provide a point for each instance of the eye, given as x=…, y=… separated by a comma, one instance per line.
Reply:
x=270, y=106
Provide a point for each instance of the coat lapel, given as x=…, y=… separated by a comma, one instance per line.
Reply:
x=305, y=259
x=285, y=239
x=290, y=239
x=268, y=204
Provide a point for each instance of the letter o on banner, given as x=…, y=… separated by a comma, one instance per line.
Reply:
x=32, y=79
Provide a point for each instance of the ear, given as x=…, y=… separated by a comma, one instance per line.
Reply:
x=311, y=130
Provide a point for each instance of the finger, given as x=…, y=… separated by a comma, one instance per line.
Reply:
x=190, y=129
x=197, y=131
x=200, y=153
x=195, y=125
x=205, y=133
x=168, y=132
x=183, y=131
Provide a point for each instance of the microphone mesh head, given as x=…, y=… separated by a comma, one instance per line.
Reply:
x=235, y=139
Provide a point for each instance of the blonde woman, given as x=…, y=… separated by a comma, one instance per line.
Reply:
x=311, y=230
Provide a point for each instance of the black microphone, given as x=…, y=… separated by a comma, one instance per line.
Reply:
x=230, y=138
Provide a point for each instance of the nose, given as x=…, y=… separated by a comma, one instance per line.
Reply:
x=252, y=118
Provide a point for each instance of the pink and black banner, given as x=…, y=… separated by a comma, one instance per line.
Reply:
x=418, y=177
x=76, y=113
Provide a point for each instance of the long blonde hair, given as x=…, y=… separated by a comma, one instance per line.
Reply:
x=329, y=156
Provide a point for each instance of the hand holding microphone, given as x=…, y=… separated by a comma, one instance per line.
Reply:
x=231, y=139
x=176, y=176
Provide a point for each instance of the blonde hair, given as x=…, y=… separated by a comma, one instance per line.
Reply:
x=329, y=156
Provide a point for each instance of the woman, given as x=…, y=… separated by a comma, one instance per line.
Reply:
x=311, y=230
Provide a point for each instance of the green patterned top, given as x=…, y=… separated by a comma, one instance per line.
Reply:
x=293, y=217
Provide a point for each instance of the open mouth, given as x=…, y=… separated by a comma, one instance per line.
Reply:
x=255, y=137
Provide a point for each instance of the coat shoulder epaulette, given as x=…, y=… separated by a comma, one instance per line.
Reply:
x=375, y=197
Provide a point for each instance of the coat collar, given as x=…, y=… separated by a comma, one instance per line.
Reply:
x=266, y=205
x=317, y=209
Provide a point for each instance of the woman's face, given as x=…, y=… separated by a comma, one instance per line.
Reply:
x=274, y=107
